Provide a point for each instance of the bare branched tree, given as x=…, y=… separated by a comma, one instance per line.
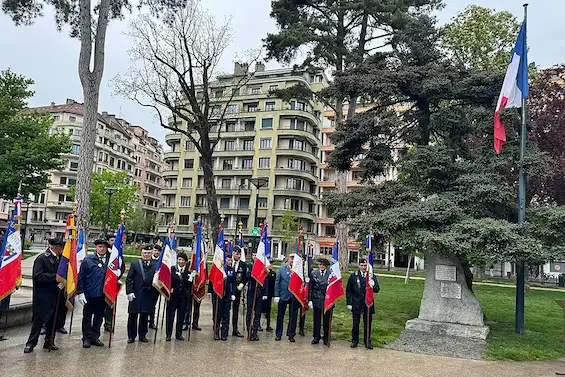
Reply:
x=174, y=72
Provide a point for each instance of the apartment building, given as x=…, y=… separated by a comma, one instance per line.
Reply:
x=262, y=137
x=118, y=148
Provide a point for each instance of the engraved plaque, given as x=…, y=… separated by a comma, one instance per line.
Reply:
x=451, y=290
x=445, y=272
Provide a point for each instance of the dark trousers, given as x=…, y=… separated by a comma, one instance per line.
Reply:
x=61, y=314
x=235, y=309
x=194, y=307
x=223, y=317
x=135, y=319
x=301, y=322
x=92, y=317
x=41, y=316
x=318, y=314
x=293, y=316
x=108, y=313
x=256, y=317
x=366, y=327
x=178, y=306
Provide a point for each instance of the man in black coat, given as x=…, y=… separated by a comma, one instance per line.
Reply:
x=141, y=295
x=317, y=295
x=223, y=315
x=4, y=306
x=155, y=258
x=240, y=273
x=178, y=303
x=355, y=296
x=254, y=294
x=46, y=294
x=194, y=298
x=268, y=295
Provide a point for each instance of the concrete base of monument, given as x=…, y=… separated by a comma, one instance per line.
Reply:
x=449, y=329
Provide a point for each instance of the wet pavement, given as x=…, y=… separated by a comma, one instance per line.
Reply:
x=203, y=356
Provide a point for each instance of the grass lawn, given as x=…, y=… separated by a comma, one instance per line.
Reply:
x=397, y=302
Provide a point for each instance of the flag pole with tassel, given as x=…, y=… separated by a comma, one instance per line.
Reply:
x=113, y=327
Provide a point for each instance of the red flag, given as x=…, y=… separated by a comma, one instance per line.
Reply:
x=115, y=268
x=296, y=283
x=217, y=271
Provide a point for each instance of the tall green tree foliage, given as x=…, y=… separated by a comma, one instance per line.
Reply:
x=27, y=152
x=286, y=227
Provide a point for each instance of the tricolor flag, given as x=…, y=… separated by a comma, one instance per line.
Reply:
x=217, y=272
x=263, y=258
x=334, y=291
x=241, y=246
x=296, y=283
x=11, y=254
x=81, y=247
x=368, y=278
x=306, y=285
x=174, y=247
x=162, y=276
x=67, y=273
x=198, y=264
x=115, y=268
x=514, y=87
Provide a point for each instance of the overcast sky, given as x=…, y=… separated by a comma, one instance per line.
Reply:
x=50, y=58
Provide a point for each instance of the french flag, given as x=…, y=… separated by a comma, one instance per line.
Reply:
x=514, y=88
x=81, y=247
x=115, y=268
x=307, y=285
x=334, y=291
x=162, y=277
x=368, y=289
x=241, y=246
x=217, y=272
x=199, y=259
x=296, y=283
x=263, y=258
x=11, y=254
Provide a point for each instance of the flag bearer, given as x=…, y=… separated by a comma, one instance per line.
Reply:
x=225, y=301
x=254, y=302
x=180, y=293
x=155, y=258
x=240, y=272
x=317, y=295
x=284, y=298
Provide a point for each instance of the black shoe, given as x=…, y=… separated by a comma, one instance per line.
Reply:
x=260, y=328
x=168, y=338
x=224, y=338
x=278, y=338
x=28, y=349
x=325, y=342
x=43, y=331
x=2, y=337
x=107, y=329
x=216, y=337
x=315, y=341
x=185, y=328
x=237, y=334
x=179, y=337
x=353, y=345
x=291, y=339
x=152, y=326
x=50, y=347
x=269, y=329
x=97, y=343
x=143, y=340
x=131, y=340
x=369, y=347
x=254, y=338
x=196, y=328
x=86, y=344
x=62, y=330
x=301, y=333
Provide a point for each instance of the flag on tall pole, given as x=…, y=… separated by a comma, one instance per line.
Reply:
x=11, y=253
x=241, y=245
x=81, y=247
x=198, y=262
x=334, y=291
x=263, y=258
x=307, y=284
x=162, y=276
x=67, y=272
x=368, y=278
x=296, y=283
x=217, y=272
x=514, y=88
x=115, y=267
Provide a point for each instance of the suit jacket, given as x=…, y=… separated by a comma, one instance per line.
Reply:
x=92, y=275
x=240, y=273
x=355, y=292
x=179, y=282
x=318, y=286
x=45, y=289
x=229, y=284
x=251, y=289
x=140, y=282
x=281, y=283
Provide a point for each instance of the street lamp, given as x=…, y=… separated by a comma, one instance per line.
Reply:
x=239, y=187
x=109, y=191
x=258, y=183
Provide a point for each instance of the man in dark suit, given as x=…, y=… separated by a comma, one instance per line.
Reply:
x=46, y=294
x=355, y=296
x=90, y=290
x=178, y=302
x=240, y=272
x=317, y=294
x=223, y=319
x=268, y=295
x=155, y=258
x=195, y=297
x=141, y=295
x=254, y=303
x=284, y=298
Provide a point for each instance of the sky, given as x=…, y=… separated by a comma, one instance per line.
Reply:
x=50, y=57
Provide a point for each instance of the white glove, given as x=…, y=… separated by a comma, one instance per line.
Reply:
x=82, y=299
x=240, y=286
x=265, y=297
x=192, y=275
x=371, y=283
x=307, y=280
x=310, y=304
x=61, y=286
x=131, y=297
x=277, y=299
x=232, y=297
x=349, y=307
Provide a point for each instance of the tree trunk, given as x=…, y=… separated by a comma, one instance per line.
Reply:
x=206, y=161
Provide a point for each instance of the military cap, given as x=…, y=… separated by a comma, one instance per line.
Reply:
x=183, y=256
x=148, y=247
x=324, y=261
x=56, y=241
x=157, y=247
x=102, y=242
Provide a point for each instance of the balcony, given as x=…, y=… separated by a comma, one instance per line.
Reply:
x=327, y=148
x=238, y=151
x=169, y=189
x=232, y=190
x=153, y=195
x=307, y=132
x=324, y=220
x=327, y=183
x=59, y=187
x=304, y=213
x=172, y=138
x=309, y=174
x=237, y=170
x=286, y=191
x=170, y=172
x=310, y=155
x=58, y=204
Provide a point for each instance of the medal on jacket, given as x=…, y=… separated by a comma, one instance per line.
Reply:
x=100, y=265
x=178, y=273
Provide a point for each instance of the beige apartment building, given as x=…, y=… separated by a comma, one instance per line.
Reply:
x=262, y=137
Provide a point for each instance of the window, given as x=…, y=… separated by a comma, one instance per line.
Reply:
x=267, y=123
x=226, y=184
x=235, y=92
x=55, y=118
x=73, y=166
x=318, y=78
x=298, y=106
x=111, y=162
x=264, y=162
x=244, y=203
x=224, y=202
x=265, y=143
x=189, y=146
x=296, y=164
x=184, y=220
x=229, y=145
x=297, y=145
x=216, y=110
x=252, y=107
x=296, y=124
x=244, y=221
x=295, y=184
x=269, y=106
x=61, y=215
x=256, y=90
x=273, y=87
x=228, y=164
x=232, y=109
x=63, y=180
x=218, y=93
x=189, y=163
x=247, y=164
x=76, y=149
x=330, y=231
x=248, y=145
x=72, y=119
x=187, y=182
x=262, y=203
x=317, y=114
x=357, y=175
x=61, y=198
x=185, y=201
x=72, y=182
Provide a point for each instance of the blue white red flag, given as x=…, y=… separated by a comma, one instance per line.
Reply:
x=263, y=258
x=115, y=267
x=368, y=289
x=217, y=272
x=81, y=247
x=296, y=283
x=11, y=254
x=334, y=291
x=162, y=276
x=241, y=246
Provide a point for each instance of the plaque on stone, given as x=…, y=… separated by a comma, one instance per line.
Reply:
x=451, y=290
x=446, y=273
